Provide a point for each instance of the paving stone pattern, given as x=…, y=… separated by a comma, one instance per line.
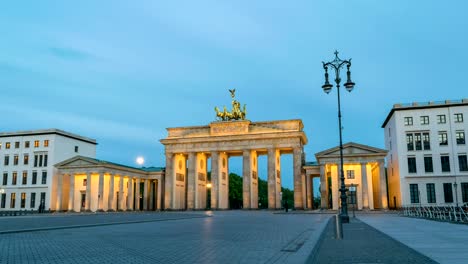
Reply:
x=227, y=237
x=363, y=244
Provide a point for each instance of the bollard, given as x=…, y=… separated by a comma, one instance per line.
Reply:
x=339, y=227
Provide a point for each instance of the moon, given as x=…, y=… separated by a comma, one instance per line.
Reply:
x=140, y=160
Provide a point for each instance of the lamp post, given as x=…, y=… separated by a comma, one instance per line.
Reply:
x=337, y=64
x=456, y=193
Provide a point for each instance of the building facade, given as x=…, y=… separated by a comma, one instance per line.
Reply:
x=28, y=177
x=427, y=158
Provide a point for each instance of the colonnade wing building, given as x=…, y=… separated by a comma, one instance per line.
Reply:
x=188, y=149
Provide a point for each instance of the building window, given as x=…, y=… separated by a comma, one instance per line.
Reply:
x=458, y=118
x=3, y=200
x=76, y=149
x=445, y=163
x=7, y=160
x=46, y=143
x=40, y=160
x=17, y=144
x=34, y=177
x=26, y=159
x=12, y=200
x=44, y=177
x=428, y=167
x=350, y=174
x=426, y=141
x=25, y=178
x=15, y=159
x=448, y=193
x=409, y=142
x=408, y=121
x=85, y=182
x=7, y=145
x=14, y=178
x=441, y=119
x=411, y=165
x=430, y=188
x=462, y=162
x=5, y=178
x=45, y=160
x=43, y=199
x=460, y=136
x=35, y=160
x=414, y=193
x=443, y=140
x=23, y=200
x=26, y=144
x=417, y=137
x=464, y=189
x=424, y=120
x=36, y=143
x=33, y=200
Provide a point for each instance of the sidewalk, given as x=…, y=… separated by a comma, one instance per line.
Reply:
x=362, y=244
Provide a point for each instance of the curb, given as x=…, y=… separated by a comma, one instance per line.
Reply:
x=94, y=225
x=317, y=246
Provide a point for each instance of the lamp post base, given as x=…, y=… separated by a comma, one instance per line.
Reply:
x=344, y=219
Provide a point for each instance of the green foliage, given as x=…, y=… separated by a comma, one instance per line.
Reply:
x=235, y=191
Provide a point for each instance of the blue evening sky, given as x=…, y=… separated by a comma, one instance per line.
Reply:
x=123, y=71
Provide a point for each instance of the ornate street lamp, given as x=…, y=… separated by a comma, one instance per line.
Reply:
x=337, y=64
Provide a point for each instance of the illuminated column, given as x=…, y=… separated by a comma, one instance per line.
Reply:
x=323, y=187
x=159, y=196
x=254, y=180
x=365, y=188
x=298, y=179
x=169, y=182
x=58, y=206
x=278, y=179
x=383, y=186
x=101, y=191
x=274, y=199
x=71, y=199
x=334, y=181
x=121, y=193
x=191, y=180
x=200, y=182
x=215, y=179
x=151, y=195
x=309, y=191
x=145, y=194
x=223, y=181
x=137, y=194
x=110, y=201
x=130, y=194
x=246, y=178
x=312, y=192
x=88, y=191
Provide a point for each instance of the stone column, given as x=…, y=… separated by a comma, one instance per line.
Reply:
x=71, y=199
x=121, y=193
x=383, y=186
x=101, y=192
x=145, y=194
x=297, y=171
x=312, y=192
x=59, y=192
x=365, y=186
x=254, y=180
x=169, y=182
x=110, y=202
x=272, y=192
x=88, y=192
x=323, y=187
x=309, y=191
x=160, y=194
x=214, y=180
x=246, y=178
x=151, y=195
x=191, y=180
x=137, y=195
x=223, y=181
x=130, y=196
x=335, y=186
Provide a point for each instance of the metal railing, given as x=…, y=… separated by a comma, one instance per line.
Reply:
x=457, y=214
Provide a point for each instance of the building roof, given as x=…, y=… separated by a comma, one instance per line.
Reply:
x=351, y=149
x=48, y=132
x=423, y=105
x=98, y=162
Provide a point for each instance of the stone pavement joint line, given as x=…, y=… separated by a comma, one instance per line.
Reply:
x=362, y=244
x=94, y=225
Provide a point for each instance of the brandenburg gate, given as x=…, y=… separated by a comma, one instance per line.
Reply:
x=188, y=149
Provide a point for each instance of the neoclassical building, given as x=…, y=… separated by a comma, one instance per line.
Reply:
x=88, y=184
x=364, y=170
